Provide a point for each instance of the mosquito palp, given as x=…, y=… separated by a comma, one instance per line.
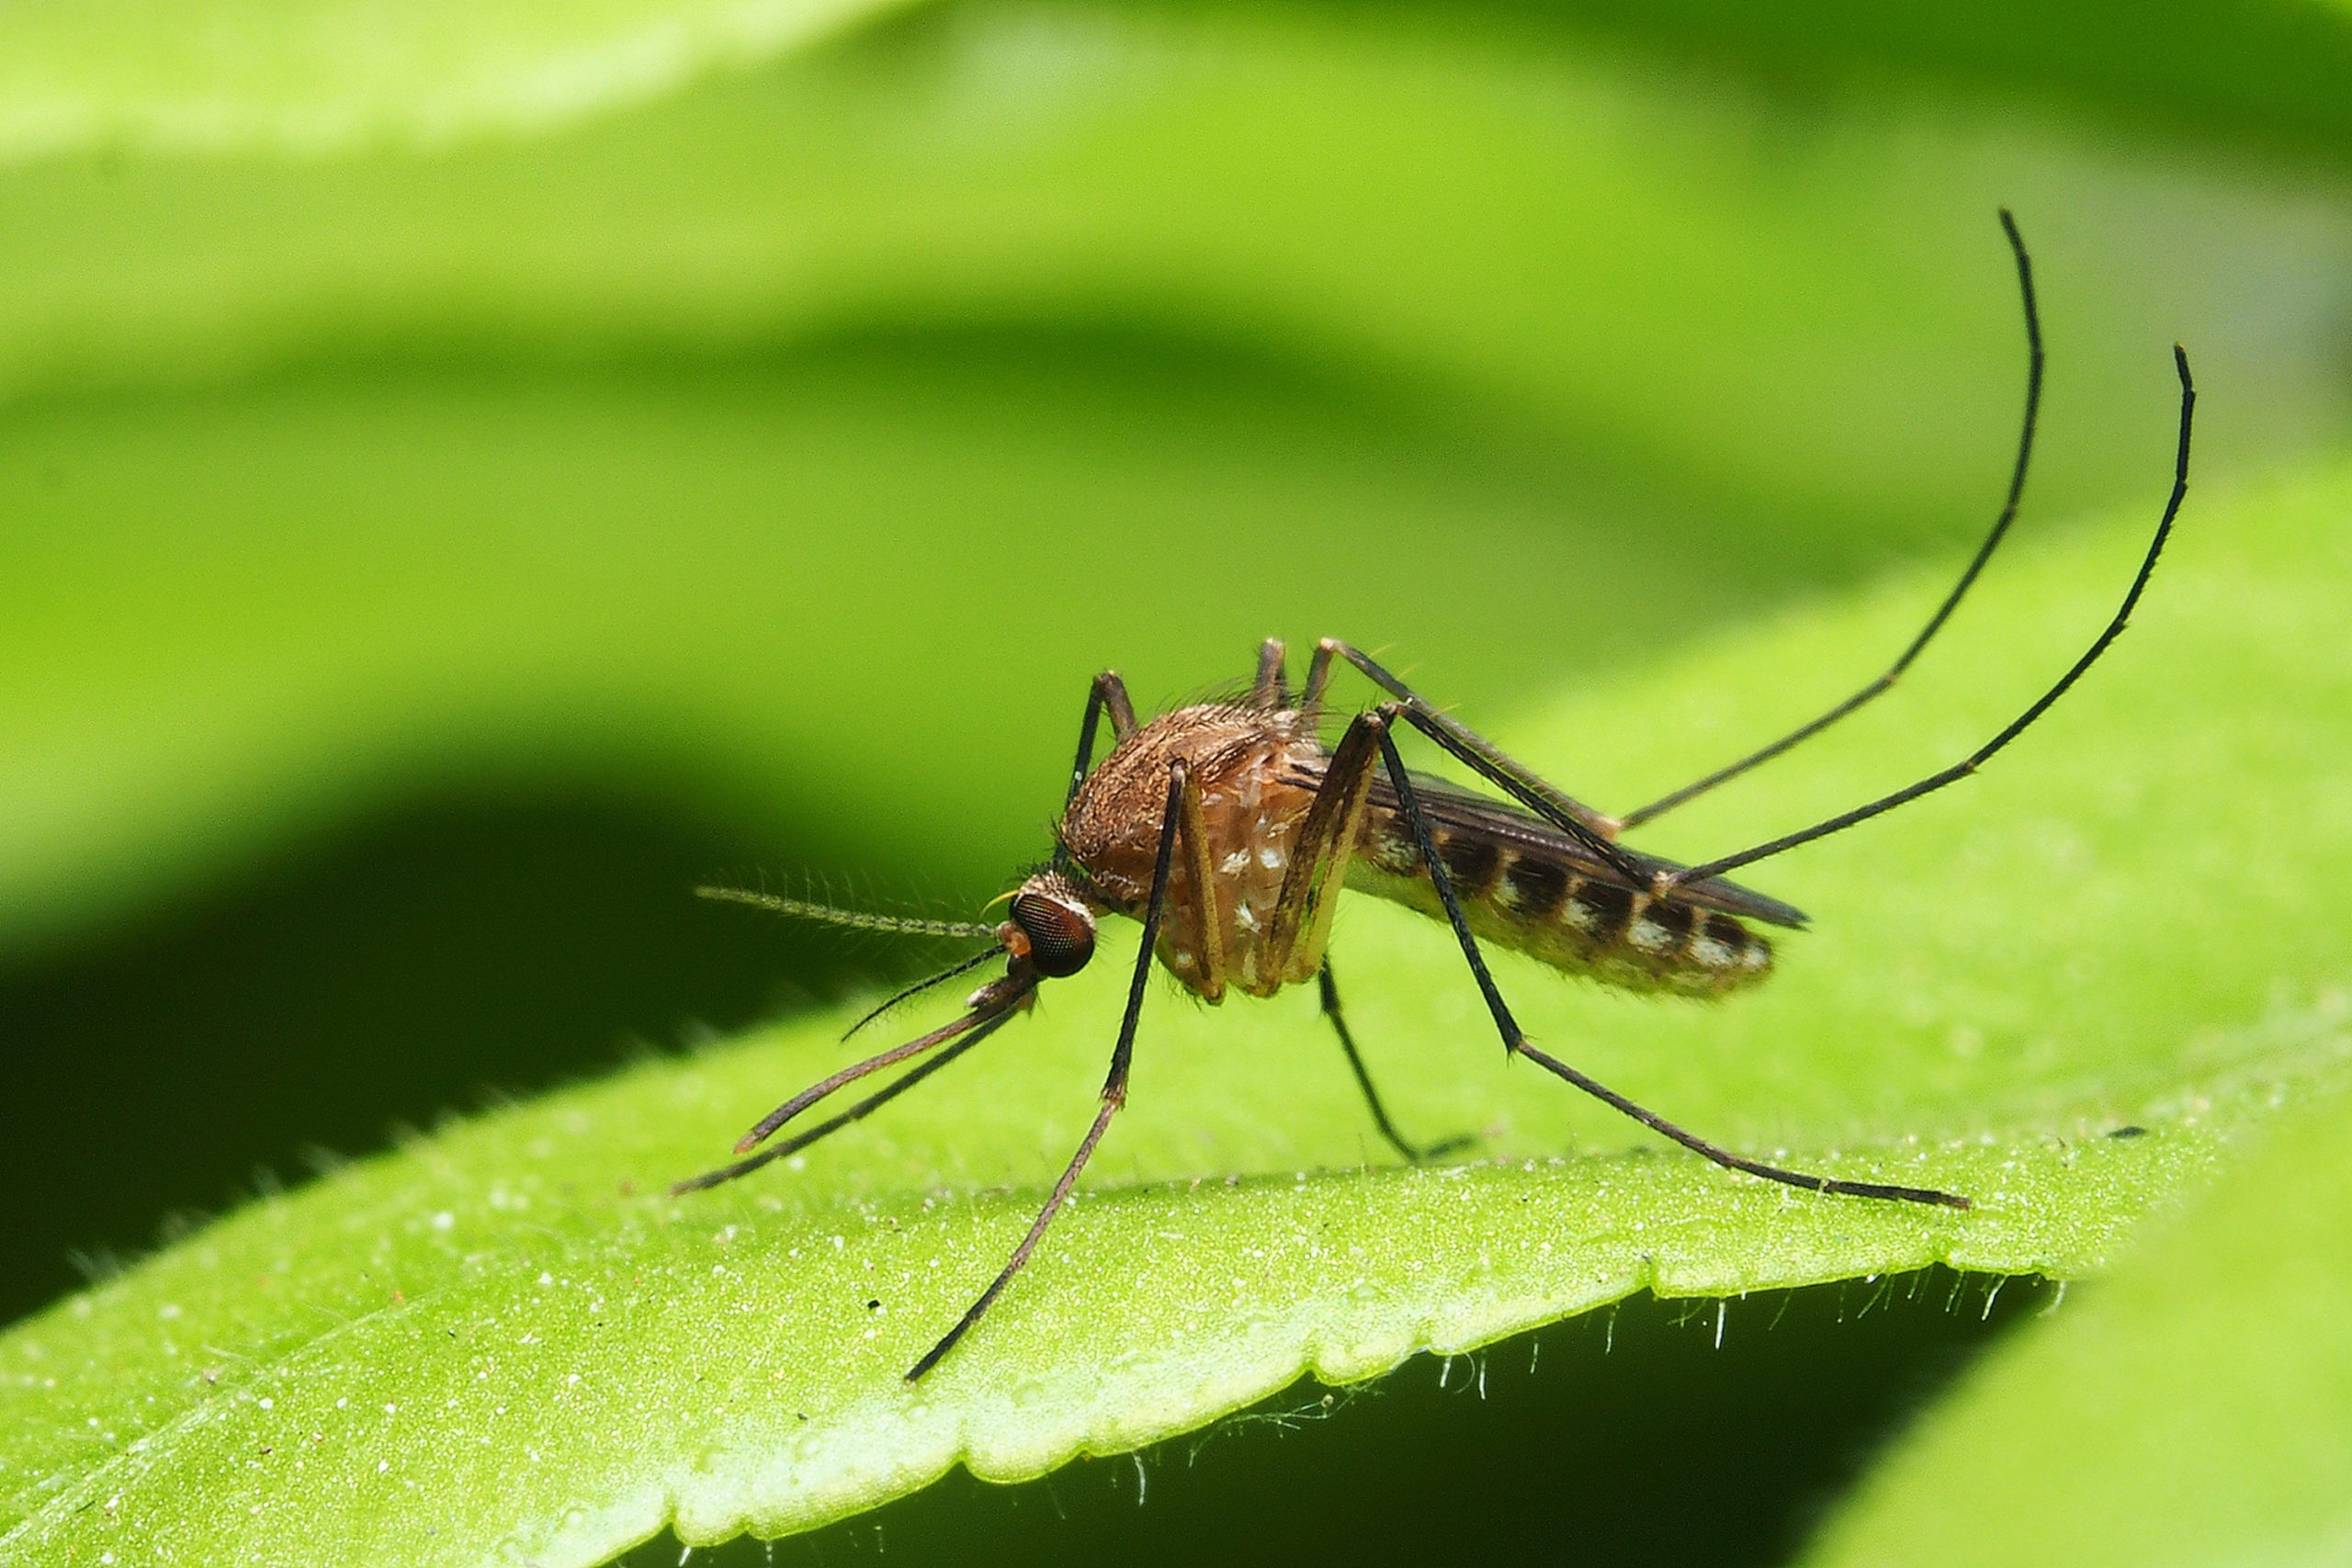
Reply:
x=908, y=993
x=1229, y=830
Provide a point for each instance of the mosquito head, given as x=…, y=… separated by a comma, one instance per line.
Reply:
x=1052, y=927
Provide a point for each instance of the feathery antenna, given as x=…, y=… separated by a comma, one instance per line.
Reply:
x=855, y=920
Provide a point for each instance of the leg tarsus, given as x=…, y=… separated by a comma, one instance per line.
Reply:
x=1114, y=1086
x=1893, y=673
x=1729, y=1160
x=1515, y=1039
x=1413, y=1152
x=2015, y=727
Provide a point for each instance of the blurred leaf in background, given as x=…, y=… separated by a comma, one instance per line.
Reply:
x=465, y=484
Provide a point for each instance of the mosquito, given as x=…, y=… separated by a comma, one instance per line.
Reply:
x=1227, y=829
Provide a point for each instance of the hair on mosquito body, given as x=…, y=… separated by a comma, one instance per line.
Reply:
x=1227, y=829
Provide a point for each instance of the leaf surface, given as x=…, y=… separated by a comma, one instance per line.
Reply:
x=2193, y=1409
x=503, y=1339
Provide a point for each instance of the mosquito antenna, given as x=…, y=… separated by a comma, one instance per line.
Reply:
x=1893, y=673
x=856, y=919
x=920, y=987
x=999, y=999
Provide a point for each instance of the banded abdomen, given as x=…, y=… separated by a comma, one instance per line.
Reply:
x=1527, y=887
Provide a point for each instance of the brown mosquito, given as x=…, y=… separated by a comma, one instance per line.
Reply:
x=1227, y=829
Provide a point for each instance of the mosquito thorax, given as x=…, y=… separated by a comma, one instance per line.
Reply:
x=1051, y=927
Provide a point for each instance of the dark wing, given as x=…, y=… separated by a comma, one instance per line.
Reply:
x=1450, y=806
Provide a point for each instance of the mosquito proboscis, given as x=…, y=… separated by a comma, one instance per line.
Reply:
x=1228, y=828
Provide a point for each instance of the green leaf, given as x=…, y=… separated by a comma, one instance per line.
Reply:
x=503, y=1339
x=2266, y=75
x=2194, y=1409
x=319, y=76
x=1272, y=244
x=988, y=323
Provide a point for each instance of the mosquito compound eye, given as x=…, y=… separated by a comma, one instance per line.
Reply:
x=1061, y=939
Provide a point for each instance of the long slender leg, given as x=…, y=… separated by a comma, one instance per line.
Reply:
x=1319, y=677
x=1515, y=1041
x=1666, y=803
x=1301, y=921
x=2017, y=726
x=1114, y=1086
x=1270, y=692
x=1414, y=1151
x=1301, y=925
x=1524, y=783
x=1199, y=867
x=1107, y=692
x=857, y=1113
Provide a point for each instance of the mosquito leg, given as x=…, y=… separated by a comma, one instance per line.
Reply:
x=1114, y=1088
x=1301, y=922
x=1200, y=870
x=1579, y=821
x=1107, y=692
x=1416, y=1153
x=857, y=1113
x=1269, y=692
x=1319, y=676
x=1515, y=1041
x=1666, y=803
x=2017, y=726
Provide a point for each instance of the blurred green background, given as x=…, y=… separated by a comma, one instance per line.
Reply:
x=467, y=481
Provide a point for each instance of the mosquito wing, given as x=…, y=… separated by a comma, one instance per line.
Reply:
x=1450, y=806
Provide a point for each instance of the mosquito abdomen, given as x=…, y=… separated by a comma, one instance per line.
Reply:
x=1518, y=896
